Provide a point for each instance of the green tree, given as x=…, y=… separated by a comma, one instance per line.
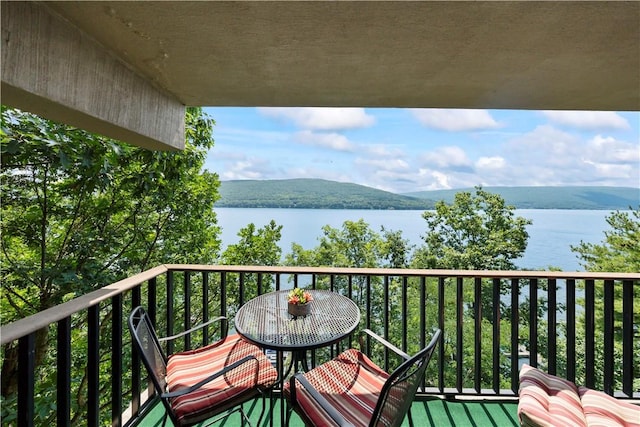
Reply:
x=80, y=211
x=255, y=247
x=473, y=233
x=619, y=252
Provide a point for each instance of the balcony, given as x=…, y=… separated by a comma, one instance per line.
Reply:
x=564, y=322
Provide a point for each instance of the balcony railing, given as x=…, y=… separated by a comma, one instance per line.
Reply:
x=582, y=326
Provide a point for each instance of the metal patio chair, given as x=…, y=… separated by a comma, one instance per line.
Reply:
x=200, y=384
x=351, y=390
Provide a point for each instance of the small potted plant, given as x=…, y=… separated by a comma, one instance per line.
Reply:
x=298, y=302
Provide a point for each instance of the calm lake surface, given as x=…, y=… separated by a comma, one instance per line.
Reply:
x=551, y=234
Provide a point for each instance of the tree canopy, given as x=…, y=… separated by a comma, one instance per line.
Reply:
x=81, y=211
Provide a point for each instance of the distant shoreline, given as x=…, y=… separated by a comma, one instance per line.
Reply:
x=322, y=194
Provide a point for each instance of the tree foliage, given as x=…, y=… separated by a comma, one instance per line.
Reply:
x=620, y=250
x=81, y=211
x=475, y=232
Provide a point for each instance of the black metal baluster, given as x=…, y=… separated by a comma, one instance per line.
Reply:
x=589, y=331
x=385, y=315
x=515, y=337
x=441, y=361
x=496, y=335
x=169, y=313
x=93, y=366
x=571, y=329
x=63, y=386
x=608, y=337
x=405, y=313
x=26, y=385
x=459, y=326
x=533, y=322
x=186, y=281
x=205, y=306
x=552, y=326
x=223, y=293
x=627, y=336
x=116, y=360
x=135, y=361
x=477, y=339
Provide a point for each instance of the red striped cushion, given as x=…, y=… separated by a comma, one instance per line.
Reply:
x=600, y=409
x=351, y=383
x=546, y=400
x=187, y=368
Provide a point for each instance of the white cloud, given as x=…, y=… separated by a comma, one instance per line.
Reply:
x=490, y=163
x=322, y=118
x=246, y=169
x=455, y=120
x=447, y=157
x=332, y=141
x=608, y=149
x=588, y=120
x=383, y=164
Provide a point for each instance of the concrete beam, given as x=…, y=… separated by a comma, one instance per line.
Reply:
x=52, y=69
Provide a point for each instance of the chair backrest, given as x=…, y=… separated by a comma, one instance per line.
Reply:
x=400, y=388
x=146, y=342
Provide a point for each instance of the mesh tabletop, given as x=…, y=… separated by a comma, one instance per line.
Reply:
x=265, y=321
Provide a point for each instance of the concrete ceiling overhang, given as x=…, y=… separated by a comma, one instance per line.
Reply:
x=455, y=54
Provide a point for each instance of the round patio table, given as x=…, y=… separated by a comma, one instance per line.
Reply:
x=265, y=321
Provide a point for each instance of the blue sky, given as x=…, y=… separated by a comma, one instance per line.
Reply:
x=405, y=150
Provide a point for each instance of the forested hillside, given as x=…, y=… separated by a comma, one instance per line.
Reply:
x=552, y=197
x=312, y=194
x=322, y=194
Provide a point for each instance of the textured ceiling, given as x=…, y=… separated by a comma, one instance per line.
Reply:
x=516, y=55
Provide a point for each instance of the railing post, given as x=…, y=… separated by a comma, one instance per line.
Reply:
x=477, y=339
x=459, y=332
x=515, y=337
x=533, y=322
x=608, y=337
x=116, y=361
x=63, y=398
x=93, y=366
x=551, y=325
x=496, y=335
x=441, y=361
x=26, y=385
x=627, y=336
x=589, y=333
x=571, y=329
x=136, y=299
x=187, y=308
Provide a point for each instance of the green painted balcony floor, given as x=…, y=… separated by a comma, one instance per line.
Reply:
x=427, y=413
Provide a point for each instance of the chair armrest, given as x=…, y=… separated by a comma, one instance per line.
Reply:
x=209, y=378
x=320, y=400
x=225, y=329
x=384, y=342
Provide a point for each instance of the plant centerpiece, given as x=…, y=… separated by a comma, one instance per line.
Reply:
x=298, y=302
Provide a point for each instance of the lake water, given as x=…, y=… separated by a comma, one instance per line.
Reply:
x=551, y=234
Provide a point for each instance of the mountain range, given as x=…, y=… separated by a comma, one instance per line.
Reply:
x=323, y=194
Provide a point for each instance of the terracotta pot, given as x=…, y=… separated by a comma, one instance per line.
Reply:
x=299, y=309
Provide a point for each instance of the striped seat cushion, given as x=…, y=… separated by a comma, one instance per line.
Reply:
x=351, y=383
x=600, y=409
x=187, y=368
x=546, y=400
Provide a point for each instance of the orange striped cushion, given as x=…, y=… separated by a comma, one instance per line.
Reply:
x=546, y=400
x=351, y=383
x=600, y=409
x=187, y=368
